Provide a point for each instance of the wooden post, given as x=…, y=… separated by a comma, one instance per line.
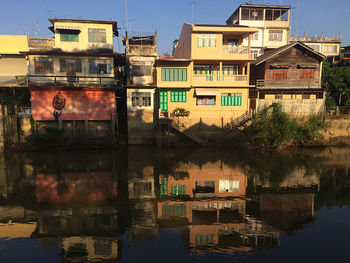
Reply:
x=222, y=122
x=200, y=123
x=2, y=134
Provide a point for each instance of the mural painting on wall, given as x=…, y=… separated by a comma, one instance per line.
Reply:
x=58, y=104
x=84, y=104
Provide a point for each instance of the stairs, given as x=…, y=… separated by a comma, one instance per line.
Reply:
x=179, y=126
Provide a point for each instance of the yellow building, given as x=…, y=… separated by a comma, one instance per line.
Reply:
x=206, y=83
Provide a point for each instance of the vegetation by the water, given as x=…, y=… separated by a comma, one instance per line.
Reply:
x=274, y=128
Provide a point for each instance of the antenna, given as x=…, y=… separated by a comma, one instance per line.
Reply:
x=126, y=15
x=192, y=4
x=36, y=28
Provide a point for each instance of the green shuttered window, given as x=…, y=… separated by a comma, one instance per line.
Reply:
x=231, y=99
x=163, y=100
x=178, y=96
x=174, y=74
x=68, y=37
x=178, y=190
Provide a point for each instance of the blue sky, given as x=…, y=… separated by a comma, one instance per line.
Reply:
x=19, y=17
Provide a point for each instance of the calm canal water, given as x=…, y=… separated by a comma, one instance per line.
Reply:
x=187, y=205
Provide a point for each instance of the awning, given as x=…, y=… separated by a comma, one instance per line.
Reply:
x=73, y=28
x=207, y=92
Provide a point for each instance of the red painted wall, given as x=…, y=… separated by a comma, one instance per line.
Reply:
x=82, y=104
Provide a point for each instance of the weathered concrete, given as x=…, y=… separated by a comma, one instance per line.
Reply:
x=296, y=107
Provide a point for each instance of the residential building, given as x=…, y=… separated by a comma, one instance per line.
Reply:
x=291, y=76
x=71, y=76
x=206, y=84
x=272, y=21
x=141, y=54
x=13, y=68
x=328, y=46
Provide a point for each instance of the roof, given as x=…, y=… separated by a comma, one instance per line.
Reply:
x=113, y=23
x=88, y=53
x=212, y=25
x=275, y=52
x=172, y=58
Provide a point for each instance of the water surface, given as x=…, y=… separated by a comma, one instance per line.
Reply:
x=142, y=204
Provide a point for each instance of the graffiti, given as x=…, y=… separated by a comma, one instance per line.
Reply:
x=58, y=102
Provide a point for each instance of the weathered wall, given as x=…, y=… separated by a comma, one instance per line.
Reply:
x=338, y=129
x=81, y=104
x=296, y=106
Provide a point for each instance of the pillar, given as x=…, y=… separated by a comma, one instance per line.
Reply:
x=2, y=134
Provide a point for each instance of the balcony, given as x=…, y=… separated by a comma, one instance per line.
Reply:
x=316, y=39
x=41, y=43
x=220, y=80
x=234, y=50
x=72, y=81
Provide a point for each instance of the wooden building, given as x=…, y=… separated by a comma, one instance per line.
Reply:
x=291, y=76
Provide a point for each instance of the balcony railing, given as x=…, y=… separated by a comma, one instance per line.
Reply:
x=235, y=50
x=73, y=81
x=223, y=78
x=41, y=42
x=316, y=39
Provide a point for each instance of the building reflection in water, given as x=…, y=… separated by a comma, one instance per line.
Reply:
x=90, y=205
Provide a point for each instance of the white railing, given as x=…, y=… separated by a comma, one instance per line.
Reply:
x=316, y=39
x=235, y=50
x=223, y=78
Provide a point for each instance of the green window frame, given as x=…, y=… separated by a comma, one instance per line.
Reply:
x=178, y=96
x=97, y=35
x=69, y=37
x=178, y=190
x=164, y=186
x=206, y=40
x=174, y=74
x=231, y=99
x=163, y=100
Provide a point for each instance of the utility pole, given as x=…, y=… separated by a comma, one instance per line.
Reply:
x=192, y=4
x=126, y=15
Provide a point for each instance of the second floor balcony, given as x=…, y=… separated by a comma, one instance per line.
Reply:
x=234, y=50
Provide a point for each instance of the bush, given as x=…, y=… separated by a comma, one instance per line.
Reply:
x=330, y=103
x=274, y=128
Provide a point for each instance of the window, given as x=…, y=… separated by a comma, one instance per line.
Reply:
x=174, y=74
x=70, y=65
x=204, y=240
x=252, y=14
x=174, y=210
x=206, y=100
x=207, y=40
x=276, y=15
x=316, y=47
x=69, y=36
x=99, y=66
x=330, y=49
x=255, y=36
x=280, y=74
x=43, y=65
x=275, y=35
x=205, y=187
x=141, y=99
x=231, y=99
x=306, y=96
x=163, y=100
x=307, y=73
x=254, y=53
x=178, y=190
x=228, y=186
x=278, y=96
x=97, y=35
x=178, y=96
x=141, y=70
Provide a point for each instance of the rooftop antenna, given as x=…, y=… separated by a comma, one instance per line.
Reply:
x=126, y=15
x=36, y=28
x=192, y=4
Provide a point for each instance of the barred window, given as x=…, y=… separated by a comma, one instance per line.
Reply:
x=141, y=99
x=307, y=73
x=141, y=70
x=74, y=64
x=207, y=40
x=99, y=66
x=279, y=74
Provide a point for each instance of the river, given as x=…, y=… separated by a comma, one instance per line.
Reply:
x=142, y=204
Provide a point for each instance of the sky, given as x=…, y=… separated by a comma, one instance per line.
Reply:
x=23, y=17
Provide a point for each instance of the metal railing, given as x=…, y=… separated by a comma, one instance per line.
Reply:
x=316, y=39
x=235, y=50
x=221, y=78
x=41, y=42
x=75, y=81
x=260, y=83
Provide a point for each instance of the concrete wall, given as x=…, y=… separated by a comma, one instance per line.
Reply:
x=13, y=44
x=296, y=106
x=13, y=66
x=84, y=43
